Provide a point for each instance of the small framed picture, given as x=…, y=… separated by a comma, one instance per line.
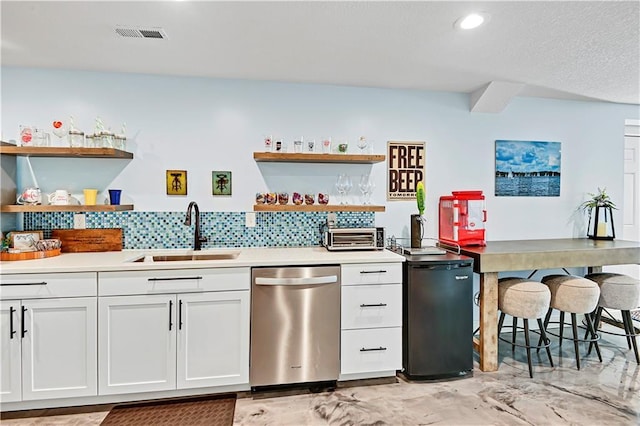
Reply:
x=221, y=182
x=25, y=240
x=176, y=182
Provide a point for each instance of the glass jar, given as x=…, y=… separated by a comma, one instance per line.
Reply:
x=107, y=139
x=120, y=142
x=76, y=138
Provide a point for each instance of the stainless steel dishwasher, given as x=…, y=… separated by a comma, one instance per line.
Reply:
x=295, y=325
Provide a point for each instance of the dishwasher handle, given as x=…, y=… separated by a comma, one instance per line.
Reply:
x=327, y=279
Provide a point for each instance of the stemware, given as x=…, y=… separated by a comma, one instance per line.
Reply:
x=341, y=186
x=366, y=187
x=347, y=187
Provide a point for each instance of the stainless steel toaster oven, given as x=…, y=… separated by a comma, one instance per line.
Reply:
x=354, y=239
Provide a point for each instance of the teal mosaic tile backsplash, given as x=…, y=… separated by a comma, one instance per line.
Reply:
x=166, y=230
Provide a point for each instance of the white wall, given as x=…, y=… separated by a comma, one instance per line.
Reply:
x=201, y=125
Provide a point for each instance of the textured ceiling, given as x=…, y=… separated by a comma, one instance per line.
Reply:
x=575, y=50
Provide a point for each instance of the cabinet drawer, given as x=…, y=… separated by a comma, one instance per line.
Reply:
x=173, y=281
x=368, y=306
x=36, y=286
x=372, y=273
x=370, y=350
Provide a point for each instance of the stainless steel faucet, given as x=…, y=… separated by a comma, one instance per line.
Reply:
x=197, y=239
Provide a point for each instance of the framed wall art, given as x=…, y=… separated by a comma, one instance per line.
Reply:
x=221, y=182
x=527, y=169
x=406, y=167
x=176, y=182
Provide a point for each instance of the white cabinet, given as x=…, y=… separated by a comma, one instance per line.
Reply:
x=137, y=344
x=174, y=329
x=49, y=345
x=371, y=320
x=213, y=339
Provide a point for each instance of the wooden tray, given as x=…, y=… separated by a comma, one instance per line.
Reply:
x=29, y=255
x=88, y=240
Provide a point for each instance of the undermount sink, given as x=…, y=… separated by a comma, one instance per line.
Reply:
x=188, y=257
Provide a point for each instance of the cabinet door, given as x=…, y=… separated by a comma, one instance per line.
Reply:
x=137, y=343
x=59, y=348
x=213, y=339
x=10, y=379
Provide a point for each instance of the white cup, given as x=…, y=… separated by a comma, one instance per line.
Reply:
x=59, y=198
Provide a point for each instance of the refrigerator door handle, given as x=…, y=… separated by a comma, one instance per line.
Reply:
x=329, y=279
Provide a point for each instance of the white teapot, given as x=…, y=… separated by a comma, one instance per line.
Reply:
x=30, y=195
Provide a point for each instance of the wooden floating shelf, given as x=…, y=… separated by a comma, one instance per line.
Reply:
x=316, y=208
x=317, y=158
x=39, y=151
x=69, y=208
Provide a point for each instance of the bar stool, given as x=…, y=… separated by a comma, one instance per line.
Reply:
x=575, y=295
x=621, y=292
x=522, y=298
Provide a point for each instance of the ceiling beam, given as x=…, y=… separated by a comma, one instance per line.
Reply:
x=494, y=97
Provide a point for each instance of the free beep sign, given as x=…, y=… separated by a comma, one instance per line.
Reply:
x=406, y=161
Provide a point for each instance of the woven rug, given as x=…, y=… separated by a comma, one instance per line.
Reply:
x=210, y=410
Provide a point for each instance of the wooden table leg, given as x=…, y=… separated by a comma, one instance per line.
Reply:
x=488, y=345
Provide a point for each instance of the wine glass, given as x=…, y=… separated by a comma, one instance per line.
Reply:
x=365, y=186
x=341, y=186
x=347, y=187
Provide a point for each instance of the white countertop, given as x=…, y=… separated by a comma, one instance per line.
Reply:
x=254, y=256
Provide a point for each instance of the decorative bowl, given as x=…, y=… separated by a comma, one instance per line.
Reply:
x=48, y=244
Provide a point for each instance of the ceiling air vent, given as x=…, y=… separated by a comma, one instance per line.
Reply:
x=141, y=32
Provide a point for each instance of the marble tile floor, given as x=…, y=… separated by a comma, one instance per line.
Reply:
x=606, y=393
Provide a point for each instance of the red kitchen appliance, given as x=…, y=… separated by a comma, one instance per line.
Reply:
x=462, y=218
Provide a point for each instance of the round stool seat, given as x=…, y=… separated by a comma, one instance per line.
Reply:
x=617, y=291
x=523, y=298
x=572, y=294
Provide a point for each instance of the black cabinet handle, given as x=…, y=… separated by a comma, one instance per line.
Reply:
x=180, y=315
x=40, y=283
x=24, y=330
x=381, y=271
x=11, y=330
x=174, y=279
x=373, y=349
x=170, y=316
x=373, y=305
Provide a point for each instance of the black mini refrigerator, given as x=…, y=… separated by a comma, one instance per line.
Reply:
x=437, y=316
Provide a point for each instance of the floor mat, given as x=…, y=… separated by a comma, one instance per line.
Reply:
x=211, y=410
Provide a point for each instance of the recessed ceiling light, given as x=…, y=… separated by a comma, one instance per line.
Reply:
x=473, y=20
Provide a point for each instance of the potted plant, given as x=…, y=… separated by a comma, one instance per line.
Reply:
x=600, y=212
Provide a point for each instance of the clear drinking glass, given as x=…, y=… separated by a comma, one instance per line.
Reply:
x=326, y=145
x=362, y=144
